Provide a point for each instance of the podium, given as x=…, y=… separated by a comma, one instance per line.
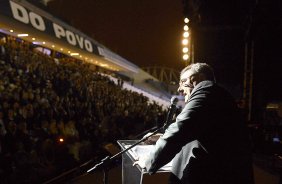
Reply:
x=135, y=174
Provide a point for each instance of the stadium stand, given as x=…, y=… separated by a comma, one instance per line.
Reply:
x=58, y=113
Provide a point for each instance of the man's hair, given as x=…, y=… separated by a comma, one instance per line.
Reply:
x=202, y=68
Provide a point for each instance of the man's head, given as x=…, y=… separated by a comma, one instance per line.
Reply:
x=192, y=75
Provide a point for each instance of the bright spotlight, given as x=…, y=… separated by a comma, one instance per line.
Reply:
x=185, y=41
x=61, y=140
x=186, y=20
x=185, y=56
x=186, y=34
x=186, y=28
x=74, y=54
x=22, y=35
x=185, y=50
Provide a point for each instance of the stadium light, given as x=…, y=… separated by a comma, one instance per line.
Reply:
x=185, y=50
x=74, y=54
x=22, y=35
x=185, y=41
x=185, y=56
x=36, y=43
x=186, y=34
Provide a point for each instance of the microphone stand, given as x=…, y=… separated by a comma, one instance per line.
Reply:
x=107, y=160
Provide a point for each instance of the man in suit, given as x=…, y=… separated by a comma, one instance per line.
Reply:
x=208, y=142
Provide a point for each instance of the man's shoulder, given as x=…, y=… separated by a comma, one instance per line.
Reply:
x=205, y=84
x=210, y=89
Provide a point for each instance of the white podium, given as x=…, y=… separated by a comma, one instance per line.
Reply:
x=134, y=174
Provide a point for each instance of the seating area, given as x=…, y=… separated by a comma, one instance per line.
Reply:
x=56, y=113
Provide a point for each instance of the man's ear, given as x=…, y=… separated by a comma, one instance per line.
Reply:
x=196, y=79
x=202, y=77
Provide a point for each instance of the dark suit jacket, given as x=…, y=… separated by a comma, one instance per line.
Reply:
x=208, y=142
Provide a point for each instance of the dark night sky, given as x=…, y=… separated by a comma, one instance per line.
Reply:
x=144, y=32
x=149, y=33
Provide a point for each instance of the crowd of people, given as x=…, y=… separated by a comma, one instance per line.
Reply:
x=56, y=113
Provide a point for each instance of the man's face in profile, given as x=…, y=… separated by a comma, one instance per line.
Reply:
x=185, y=85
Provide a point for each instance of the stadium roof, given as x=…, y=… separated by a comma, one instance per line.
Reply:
x=22, y=19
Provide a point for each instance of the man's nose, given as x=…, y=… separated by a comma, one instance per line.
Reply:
x=180, y=90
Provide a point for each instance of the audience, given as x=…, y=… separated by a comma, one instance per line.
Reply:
x=57, y=113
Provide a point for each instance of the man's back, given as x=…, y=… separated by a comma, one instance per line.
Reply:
x=209, y=140
x=224, y=153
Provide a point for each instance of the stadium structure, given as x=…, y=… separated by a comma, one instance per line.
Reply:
x=52, y=36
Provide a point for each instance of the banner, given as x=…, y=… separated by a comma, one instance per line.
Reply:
x=18, y=11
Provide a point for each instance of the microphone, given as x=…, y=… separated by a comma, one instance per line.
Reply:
x=171, y=111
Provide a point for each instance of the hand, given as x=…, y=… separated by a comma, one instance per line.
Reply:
x=141, y=162
x=153, y=139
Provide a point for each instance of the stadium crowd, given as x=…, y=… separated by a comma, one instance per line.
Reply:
x=58, y=113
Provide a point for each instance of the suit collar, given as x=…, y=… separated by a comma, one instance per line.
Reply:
x=203, y=84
